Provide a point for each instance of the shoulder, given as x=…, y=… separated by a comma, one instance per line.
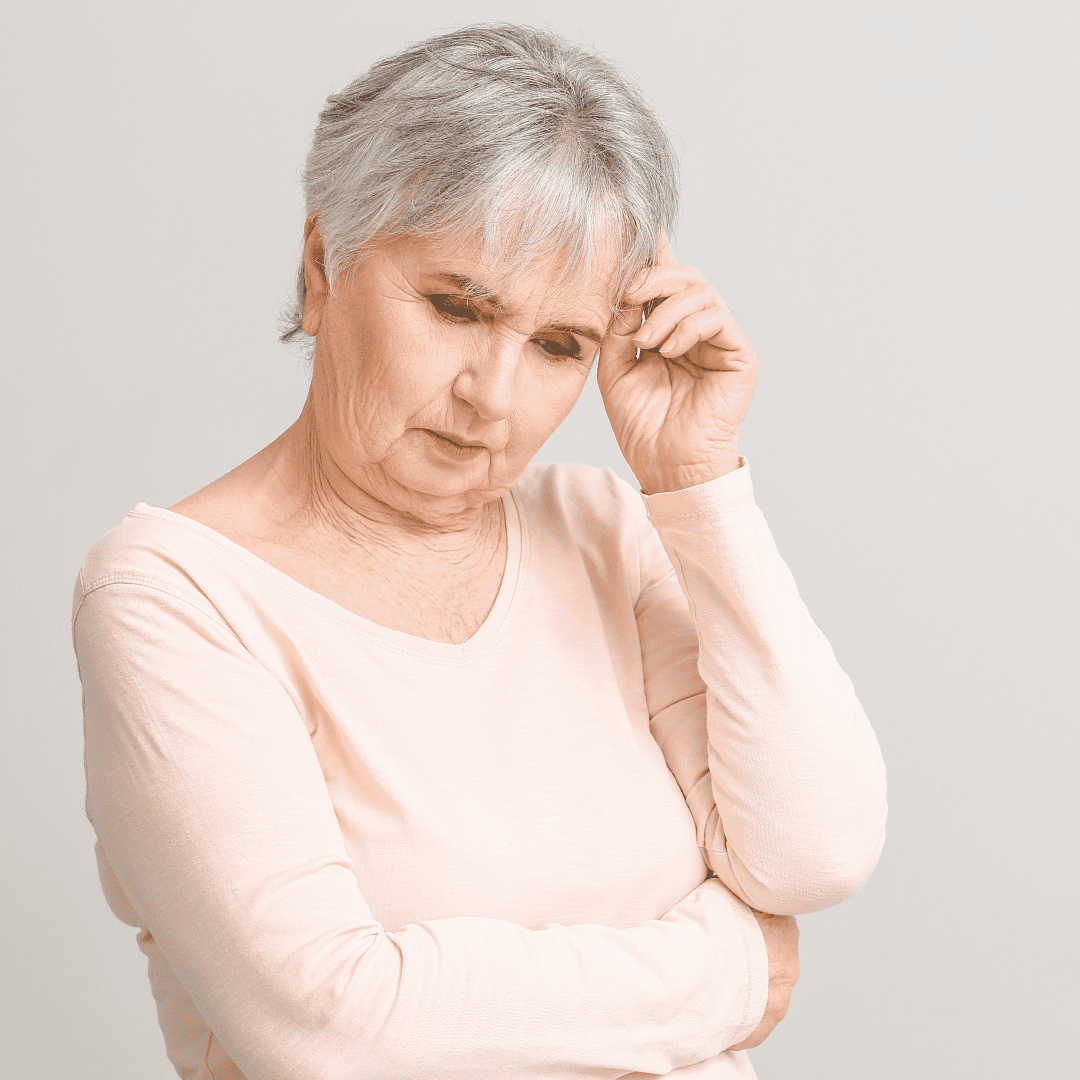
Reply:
x=579, y=493
x=594, y=513
x=149, y=548
x=597, y=513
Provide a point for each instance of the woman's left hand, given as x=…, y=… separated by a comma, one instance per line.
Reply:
x=676, y=412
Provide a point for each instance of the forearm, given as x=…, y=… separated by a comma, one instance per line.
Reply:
x=792, y=818
x=213, y=814
x=349, y=1000
x=566, y=1000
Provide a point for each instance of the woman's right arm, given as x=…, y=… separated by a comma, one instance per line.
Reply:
x=209, y=803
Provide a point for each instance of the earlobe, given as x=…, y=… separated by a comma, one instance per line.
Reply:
x=315, y=287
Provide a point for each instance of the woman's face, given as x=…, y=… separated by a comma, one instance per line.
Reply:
x=415, y=343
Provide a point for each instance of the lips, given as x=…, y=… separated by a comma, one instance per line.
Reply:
x=457, y=440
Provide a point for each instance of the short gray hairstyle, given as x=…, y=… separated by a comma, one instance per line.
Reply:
x=506, y=134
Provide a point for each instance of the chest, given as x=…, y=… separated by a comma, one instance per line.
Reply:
x=518, y=786
x=423, y=598
x=423, y=592
x=429, y=597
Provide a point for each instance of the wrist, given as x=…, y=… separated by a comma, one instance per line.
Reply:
x=679, y=477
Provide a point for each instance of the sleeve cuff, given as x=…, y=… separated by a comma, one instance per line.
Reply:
x=727, y=492
x=757, y=997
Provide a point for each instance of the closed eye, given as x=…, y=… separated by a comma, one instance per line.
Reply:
x=455, y=309
x=460, y=309
x=558, y=348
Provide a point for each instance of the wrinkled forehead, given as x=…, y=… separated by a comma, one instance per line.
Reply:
x=525, y=232
x=542, y=223
x=499, y=265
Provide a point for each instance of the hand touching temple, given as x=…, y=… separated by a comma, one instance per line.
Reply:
x=410, y=757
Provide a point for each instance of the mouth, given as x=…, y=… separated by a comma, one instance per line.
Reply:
x=447, y=437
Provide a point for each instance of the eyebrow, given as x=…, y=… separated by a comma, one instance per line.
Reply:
x=479, y=291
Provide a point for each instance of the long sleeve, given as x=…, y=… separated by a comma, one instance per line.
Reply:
x=212, y=811
x=759, y=725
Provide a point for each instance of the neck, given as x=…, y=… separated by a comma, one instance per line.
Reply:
x=312, y=495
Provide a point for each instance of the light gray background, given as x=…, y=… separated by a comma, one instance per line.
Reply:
x=885, y=196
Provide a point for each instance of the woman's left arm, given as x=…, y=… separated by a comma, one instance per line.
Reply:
x=758, y=723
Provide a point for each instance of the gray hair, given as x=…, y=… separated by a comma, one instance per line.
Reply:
x=507, y=134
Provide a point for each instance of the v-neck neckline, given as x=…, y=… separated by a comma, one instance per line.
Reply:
x=395, y=640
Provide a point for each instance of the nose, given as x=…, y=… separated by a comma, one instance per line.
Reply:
x=488, y=375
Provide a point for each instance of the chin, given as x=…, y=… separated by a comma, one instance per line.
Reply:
x=430, y=480
x=459, y=485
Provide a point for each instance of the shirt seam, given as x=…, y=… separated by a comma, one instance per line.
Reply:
x=126, y=577
x=206, y=1056
x=687, y=592
x=751, y=984
x=659, y=581
x=667, y=517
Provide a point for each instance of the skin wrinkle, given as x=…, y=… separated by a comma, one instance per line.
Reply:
x=326, y=513
x=477, y=290
x=496, y=385
x=362, y=499
x=356, y=499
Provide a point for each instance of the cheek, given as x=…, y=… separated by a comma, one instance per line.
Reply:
x=383, y=374
x=550, y=398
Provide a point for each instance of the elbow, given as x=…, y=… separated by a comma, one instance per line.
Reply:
x=828, y=885
x=802, y=885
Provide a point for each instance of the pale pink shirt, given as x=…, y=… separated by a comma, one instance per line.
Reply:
x=354, y=854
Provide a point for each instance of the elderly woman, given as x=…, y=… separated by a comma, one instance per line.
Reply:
x=412, y=760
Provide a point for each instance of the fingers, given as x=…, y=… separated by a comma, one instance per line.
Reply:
x=628, y=320
x=692, y=315
x=668, y=294
x=664, y=319
x=681, y=310
x=664, y=279
x=700, y=326
x=618, y=353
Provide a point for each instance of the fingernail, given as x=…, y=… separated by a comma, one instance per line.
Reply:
x=643, y=338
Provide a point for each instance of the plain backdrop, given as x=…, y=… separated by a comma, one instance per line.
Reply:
x=884, y=194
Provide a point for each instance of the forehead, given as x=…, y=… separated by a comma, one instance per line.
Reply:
x=545, y=283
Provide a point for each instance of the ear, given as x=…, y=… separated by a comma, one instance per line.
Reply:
x=315, y=286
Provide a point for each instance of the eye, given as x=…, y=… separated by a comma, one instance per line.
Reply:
x=556, y=348
x=455, y=309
